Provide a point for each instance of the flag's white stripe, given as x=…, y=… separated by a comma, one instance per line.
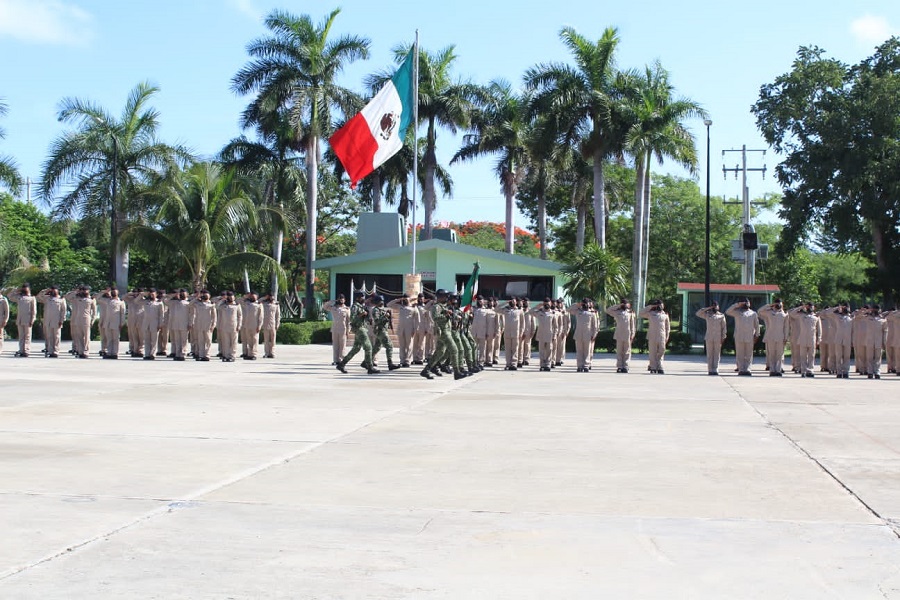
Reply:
x=386, y=101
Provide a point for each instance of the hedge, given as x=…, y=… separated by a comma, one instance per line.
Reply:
x=307, y=332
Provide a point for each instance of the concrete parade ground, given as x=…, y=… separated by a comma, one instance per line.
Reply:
x=286, y=479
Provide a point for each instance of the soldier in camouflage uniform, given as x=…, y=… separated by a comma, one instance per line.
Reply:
x=381, y=319
x=359, y=318
x=445, y=347
x=461, y=321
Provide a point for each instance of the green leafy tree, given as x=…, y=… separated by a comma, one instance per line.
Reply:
x=204, y=221
x=500, y=127
x=657, y=131
x=596, y=273
x=836, y=128
x=443, y=102
x=102, y=169
x=9, y=173
x=582, y=100
x=296, y=68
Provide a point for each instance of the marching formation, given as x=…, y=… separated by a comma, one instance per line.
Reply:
x=440, y=335
x=174, y=325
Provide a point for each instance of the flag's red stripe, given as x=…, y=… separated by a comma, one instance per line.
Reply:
x=355, y=147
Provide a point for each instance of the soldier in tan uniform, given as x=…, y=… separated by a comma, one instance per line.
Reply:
x=203, y=323
x=778, y=331
x=499, y=323
x=809, y=336
x=178, y=320
x=875, y=334
x=841, y=339
x=54, y=316
x=134, y=307
x=162, y=342
x=826, y=361
x=859, y=338
x=25, y=317
x=152, y=322
x=271, y=323
x=228, y=323
x=423, y=339
x=624, y=334
x=83, y=313
x=407, y=322
x=716, y=331
x=546, y=330
x=586, y=327
x=528, y=329
x=563, y=325
x=340, y=327
x=513, y=328
x=657, y=333
x=251, y=325
x=481, y=315
x=893, y=341
x=746, y=332
x=4, y=316
x=112, y=319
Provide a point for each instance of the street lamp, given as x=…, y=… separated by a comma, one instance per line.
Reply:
x=708, y=123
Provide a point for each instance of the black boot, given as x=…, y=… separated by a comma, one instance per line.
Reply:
x=426, y=374
x=340, y=367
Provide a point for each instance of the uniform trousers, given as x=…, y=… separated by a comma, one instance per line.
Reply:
x=338, y=345
x=511, y=348
x=559, y=347
x=179, y=342
x=52, y=338
x=546, y=352
x=135, y=337
x=383, y=341
x=227, y=343
x=249, y=342
x=24, y=334
x=825, y=360
x=806, y=355
x=269, y=334
x=524, y=349
x=162, y=341
x=623, y=354
x=203, y=343
x=110, y=343
x=657, y=353
x=775, y=356
x=151, y=340
x=743, y=356
x=873, y=354
x=713, y=354
x=583, y=352
x=81, y=336
x=841, y=355
x=404, y=343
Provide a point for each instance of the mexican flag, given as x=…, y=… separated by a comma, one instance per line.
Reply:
x=470, y=290
x=377, y=133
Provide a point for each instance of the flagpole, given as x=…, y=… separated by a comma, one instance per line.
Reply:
x=415, y=146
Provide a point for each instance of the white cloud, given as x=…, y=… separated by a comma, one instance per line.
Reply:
x=869, y=29
x=45, y=22
x=247, y=8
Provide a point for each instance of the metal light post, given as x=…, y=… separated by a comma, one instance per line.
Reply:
x=708, y=124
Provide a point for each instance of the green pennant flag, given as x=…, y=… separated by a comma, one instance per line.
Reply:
x=471, y=289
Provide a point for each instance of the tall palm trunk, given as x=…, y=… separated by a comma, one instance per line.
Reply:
x=542, y=223
x=510, y=223
x=121, y=253
x=312, y=190
x=429, y=197
x=637, y=252
x=599, y=200
x=579, y=227
x=646, y=233
x=278, y=244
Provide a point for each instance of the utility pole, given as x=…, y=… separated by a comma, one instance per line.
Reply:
x=749, y=241
x=28, y=183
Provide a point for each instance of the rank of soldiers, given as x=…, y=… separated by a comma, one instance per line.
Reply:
x=442, y=337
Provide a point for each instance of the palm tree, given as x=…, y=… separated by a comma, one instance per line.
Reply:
x=596, y=273
x=103, y=166
x=441, y=102
x=9, y=173
x=546, y=163
x=203, y=222
x=657, y=131
x=500, y=127
x=295, y=68
x=275, y=160
x=580, y=98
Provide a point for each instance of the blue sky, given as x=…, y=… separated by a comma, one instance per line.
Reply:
x=718, y=53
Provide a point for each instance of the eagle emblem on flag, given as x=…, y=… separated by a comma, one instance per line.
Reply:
x=388, y=124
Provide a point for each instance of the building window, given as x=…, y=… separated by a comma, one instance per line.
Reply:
x=504, y=286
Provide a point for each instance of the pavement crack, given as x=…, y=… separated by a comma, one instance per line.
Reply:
x=817, y=462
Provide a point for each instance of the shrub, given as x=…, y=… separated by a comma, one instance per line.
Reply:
x=306, y=332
